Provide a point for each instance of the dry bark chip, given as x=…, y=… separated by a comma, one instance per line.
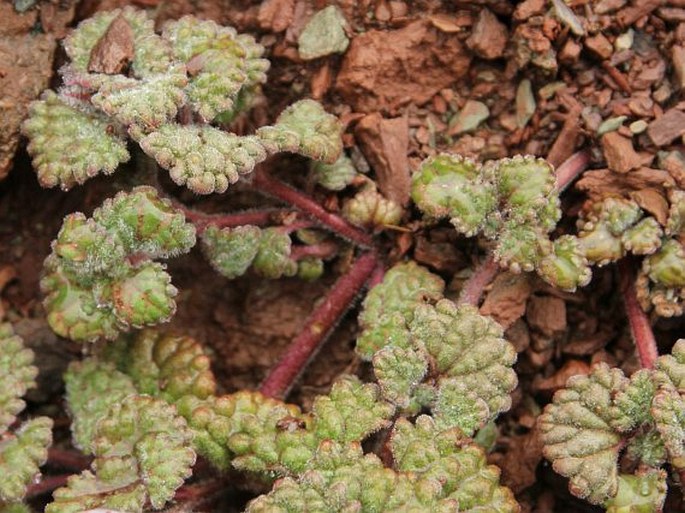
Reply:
x=654, y=202
x=276, y=15
x=547, y=315
x=666, y=128
x=600, y=183
x=114, y=50
x=619, y=153
x=384, y=70
x=506, y=301
x=678, y=58
x=489, y=37
x=599, y=46
x=384, y=143
x=674, y=163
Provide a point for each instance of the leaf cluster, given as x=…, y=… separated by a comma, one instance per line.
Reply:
x=168, y=92
x=599, y=416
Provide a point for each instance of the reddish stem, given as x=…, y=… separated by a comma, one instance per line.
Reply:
x=322, y=250
x=481, y=278
x=640, y=327
x=67, y=459
x=317, y=326
x=46, y=485
x=202, y=220
x=262, y=182
x=571, y=168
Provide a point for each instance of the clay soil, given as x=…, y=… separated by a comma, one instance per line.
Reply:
x=483, y=78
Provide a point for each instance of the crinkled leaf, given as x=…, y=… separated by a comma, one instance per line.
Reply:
x=521, y=246
x=86, y=249
x=469, y=348
x=75, y=311
x=21, y=455
x=151, y=53
x=231, y=250
x=273, y=254
x=452, y=186
x=166, y=365
x=644, y=238
x=369, y=208
x=642, y=493
x=351, y=412
x=566, y=267
x=305, y=128
x=222, y=64
x=205, y=158
x=250, y=431
x=69, y=146
x=142, y=452
x=399, y=371
x=143, y=105
x=145, y=296
x=146, y=223
x=17, y=375
x=390, y=305
x=458, y=406
x=336, y=176
x=92, y=387
x=668, y=410
x=577, y=434
x=631, y=405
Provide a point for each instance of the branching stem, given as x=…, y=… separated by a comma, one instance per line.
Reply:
x=488, y=269
x=318, y=325
x=46, y=485
x=571, y=168
x=202, y=220
x=322, y=250
x=640, y=327
x=266, y=184
x=481, y=278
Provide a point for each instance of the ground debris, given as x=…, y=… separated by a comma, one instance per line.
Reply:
x=488, y=37
x=385, y=70
x=666, y=128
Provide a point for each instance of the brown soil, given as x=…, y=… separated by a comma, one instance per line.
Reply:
x=401, y=86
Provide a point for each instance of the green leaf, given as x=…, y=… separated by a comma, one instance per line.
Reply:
x=21, y=455
x=222, y=64
x=644, y=238
x=144, y=297
x=452, y=186
x=142, y=452
x=17, y=375
x=526, y=185
x=86, y=249
x=92, y=387
x=369, y=208
x=469, y=348
x=668, y=410
x=74, y=311
x=351, y=412
x=566, y=266
x=642, y=493
x=146, y=223
x=576, y=430
x=151, y=53
x=143, y=105
x=231, y=251
x=521, y=246
x=205, y=159
x=632, y=404
x=458, y=406
x=69, y=146
x=165, y=365
x=249, y=431
x=399, y=371
x=389, y=306
x=273, y=254
x=336, y=176
x=305, y=128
